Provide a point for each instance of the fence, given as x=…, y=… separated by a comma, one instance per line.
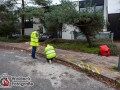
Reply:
x=100, y=35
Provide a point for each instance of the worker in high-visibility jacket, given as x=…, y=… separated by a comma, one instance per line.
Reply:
x=34, y=42
x=50, y=53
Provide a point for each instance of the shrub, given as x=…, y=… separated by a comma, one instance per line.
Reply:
x=26, y=37
x=108, y=42
x=5, y=39
x=59, y=40
x=21, y=40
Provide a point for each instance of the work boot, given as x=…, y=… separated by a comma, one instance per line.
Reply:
x=50, y=61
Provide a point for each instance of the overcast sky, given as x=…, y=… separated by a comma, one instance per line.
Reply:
x=113, y=5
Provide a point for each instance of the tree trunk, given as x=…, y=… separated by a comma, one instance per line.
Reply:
x=22, y=25
x=86, y=35
x=88, y=39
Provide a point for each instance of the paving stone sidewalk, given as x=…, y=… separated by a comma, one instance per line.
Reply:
x=103, y=64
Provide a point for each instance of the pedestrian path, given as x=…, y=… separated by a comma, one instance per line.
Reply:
x=96, y=63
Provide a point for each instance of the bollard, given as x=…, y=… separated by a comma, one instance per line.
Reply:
x=119, y=63
x=111, y=36
x=7, y=36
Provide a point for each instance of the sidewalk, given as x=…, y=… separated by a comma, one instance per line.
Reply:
x=103, y=64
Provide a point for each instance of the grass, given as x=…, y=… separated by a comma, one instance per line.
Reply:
x=115, y=68
x=82, y=45
x=75, y=45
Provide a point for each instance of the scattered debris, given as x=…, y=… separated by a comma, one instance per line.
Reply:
x=55, y=83
x=34, y=70
x=21, y=50
x=53, y=78
x=50, y=74
x=64, y=74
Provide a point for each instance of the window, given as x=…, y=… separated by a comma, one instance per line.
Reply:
x=91, y=9
x=41, y=29
x=28, y=23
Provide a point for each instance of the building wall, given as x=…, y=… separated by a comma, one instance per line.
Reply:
x=114, y=26
x=36, y=26
x=67, y=32
x=28, y=31
x=77, y=5
x=69, y=28
x=105, y=13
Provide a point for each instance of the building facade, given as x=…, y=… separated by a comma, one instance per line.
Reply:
x=32, y=25
x=114, y=27
x=68, y=30
x=100, y=5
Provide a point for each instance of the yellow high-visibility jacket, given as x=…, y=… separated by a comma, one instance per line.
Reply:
x=49, y=52
x=34, y=38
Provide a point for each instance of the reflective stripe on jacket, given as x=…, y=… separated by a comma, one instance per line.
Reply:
x=49, y=52
x=34, y=39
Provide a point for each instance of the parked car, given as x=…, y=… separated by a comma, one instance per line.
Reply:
x=44, y=36
x=16, y=35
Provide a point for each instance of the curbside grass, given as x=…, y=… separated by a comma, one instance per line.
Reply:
x=75, y=45
x=82, y=45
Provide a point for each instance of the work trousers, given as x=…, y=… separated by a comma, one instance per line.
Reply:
x=33, y=51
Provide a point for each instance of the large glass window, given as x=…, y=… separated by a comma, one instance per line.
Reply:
x=91, y=9
x=28, y=23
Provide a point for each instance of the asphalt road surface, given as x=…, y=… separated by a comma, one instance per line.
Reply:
x=41, y=75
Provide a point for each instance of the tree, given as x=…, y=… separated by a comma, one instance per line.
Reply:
x=9, y=20
x=52, y=20
x=26, y=11
x=23, y=12
x=89, y=22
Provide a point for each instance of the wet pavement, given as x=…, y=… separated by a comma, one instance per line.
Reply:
x=42, y=75
x=99, y=64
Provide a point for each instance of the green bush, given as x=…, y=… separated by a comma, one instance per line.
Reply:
x=99, y=42
x=108, y=42
x=114, y=51
x=5, y=39
x=78, y=47
x=26, y=37
x=21, y=40
x=59, y=40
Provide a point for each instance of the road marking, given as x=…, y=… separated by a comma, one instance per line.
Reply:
x=96, y=70
x=82, y=65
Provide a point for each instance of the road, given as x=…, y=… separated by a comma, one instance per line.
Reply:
x=44, y=76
